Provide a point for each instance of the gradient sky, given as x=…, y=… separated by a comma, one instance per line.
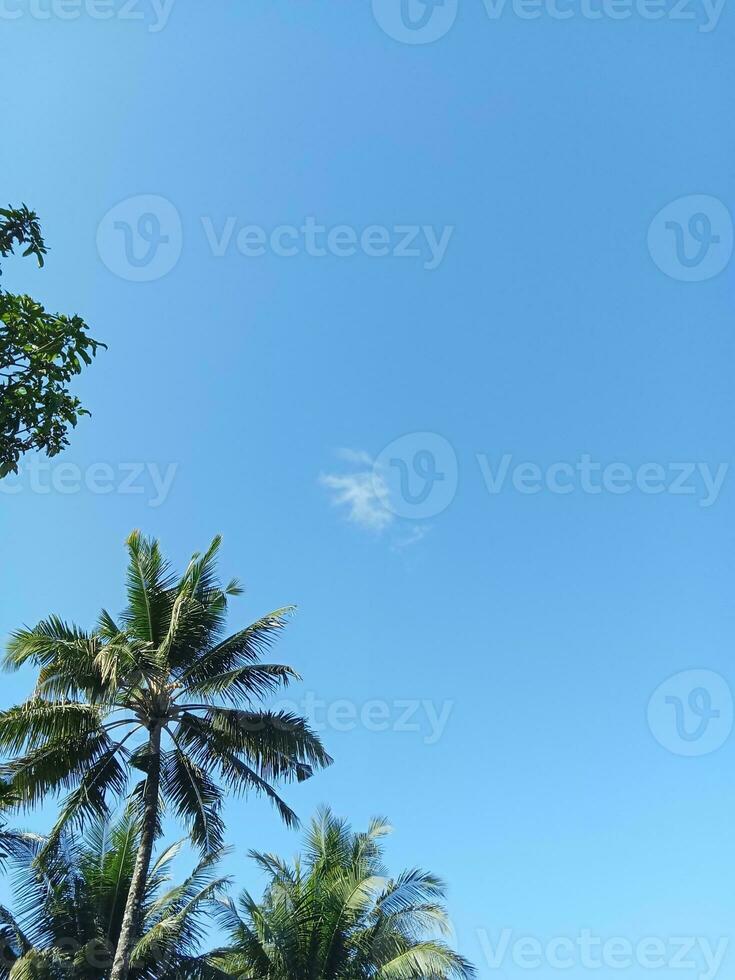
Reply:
x=554, y=329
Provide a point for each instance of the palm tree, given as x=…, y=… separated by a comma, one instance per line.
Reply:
x=162, y=692
x=335, y=915
x=70, y=905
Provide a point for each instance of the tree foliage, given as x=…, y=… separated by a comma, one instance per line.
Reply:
x=336, y=914
x=161, y=712
x=68, y=908
x=162, y=695
x=40, y=353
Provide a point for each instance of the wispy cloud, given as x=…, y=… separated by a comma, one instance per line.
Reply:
x=363, y=495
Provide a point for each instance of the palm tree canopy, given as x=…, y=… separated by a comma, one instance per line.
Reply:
x=335, y=914
x=69, y=906
x=164, y=667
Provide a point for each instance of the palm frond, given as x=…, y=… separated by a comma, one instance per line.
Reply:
x=149, y=585
x=44, y=642
x=242, y=648
x=243, y=685
x=428, y=958
x=37, y=721
x=195, y=797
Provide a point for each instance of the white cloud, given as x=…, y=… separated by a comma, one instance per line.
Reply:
x=364, y=494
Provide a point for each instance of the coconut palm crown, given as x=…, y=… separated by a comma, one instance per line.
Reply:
x=162, y=692
x=335, y=914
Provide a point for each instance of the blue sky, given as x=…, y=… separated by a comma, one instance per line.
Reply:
x=557, y=326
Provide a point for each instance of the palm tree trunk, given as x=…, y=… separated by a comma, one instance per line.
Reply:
x=130, y=928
